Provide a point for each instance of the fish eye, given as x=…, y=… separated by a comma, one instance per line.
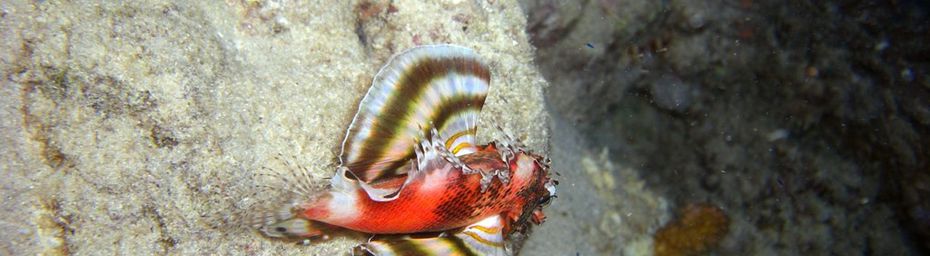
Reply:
x=545, y=200
x=280, y=229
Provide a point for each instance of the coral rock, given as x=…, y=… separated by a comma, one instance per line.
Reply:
x=699, y=228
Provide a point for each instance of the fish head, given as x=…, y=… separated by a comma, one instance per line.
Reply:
x=530, y=173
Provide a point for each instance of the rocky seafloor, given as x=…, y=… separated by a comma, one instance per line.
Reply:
x=806, y=122
x=676, y=127
x=142, y=127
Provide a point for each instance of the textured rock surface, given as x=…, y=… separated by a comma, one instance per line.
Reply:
x=133, y=127
x=603, y=208
x=800, y=119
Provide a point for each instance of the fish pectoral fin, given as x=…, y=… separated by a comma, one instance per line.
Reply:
x=440, y=87
x=485, y=237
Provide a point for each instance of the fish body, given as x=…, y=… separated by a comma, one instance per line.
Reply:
x=438, y=199
x=411, y=164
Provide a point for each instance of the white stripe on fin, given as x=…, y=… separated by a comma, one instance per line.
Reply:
x=438, y=85
x=483, y=238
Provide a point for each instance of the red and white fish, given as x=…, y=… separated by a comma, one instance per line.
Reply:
x=411, y=167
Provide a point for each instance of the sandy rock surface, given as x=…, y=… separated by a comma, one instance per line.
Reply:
x=136, y=127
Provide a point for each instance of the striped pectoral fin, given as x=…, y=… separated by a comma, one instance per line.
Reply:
x=483, y=238
x=460, y=132
x=440, y=87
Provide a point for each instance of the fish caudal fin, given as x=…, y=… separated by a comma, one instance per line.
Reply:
x=483, y=238
x=283, y=223
x=291, y=228
x=441, y=87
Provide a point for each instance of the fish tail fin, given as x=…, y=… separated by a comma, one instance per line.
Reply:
x=293, y=182
x=285, y=224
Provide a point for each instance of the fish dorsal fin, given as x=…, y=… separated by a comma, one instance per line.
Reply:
x=438, y=86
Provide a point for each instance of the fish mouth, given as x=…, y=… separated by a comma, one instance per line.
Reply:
x=550, y=186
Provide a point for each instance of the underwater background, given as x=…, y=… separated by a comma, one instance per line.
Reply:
x=732, y=127
x=806, y=122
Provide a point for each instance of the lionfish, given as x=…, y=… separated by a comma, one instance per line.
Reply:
x=411, y=171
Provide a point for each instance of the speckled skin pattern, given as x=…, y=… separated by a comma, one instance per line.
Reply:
x=451, y=201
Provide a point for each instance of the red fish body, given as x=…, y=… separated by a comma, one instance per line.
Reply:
x=411, y=164
x=440, y=200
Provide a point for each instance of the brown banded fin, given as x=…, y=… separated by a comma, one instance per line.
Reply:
x=483, y=238
x=284, y=223
x=440, y=87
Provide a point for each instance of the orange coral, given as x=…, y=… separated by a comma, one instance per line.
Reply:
x=698, y=228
